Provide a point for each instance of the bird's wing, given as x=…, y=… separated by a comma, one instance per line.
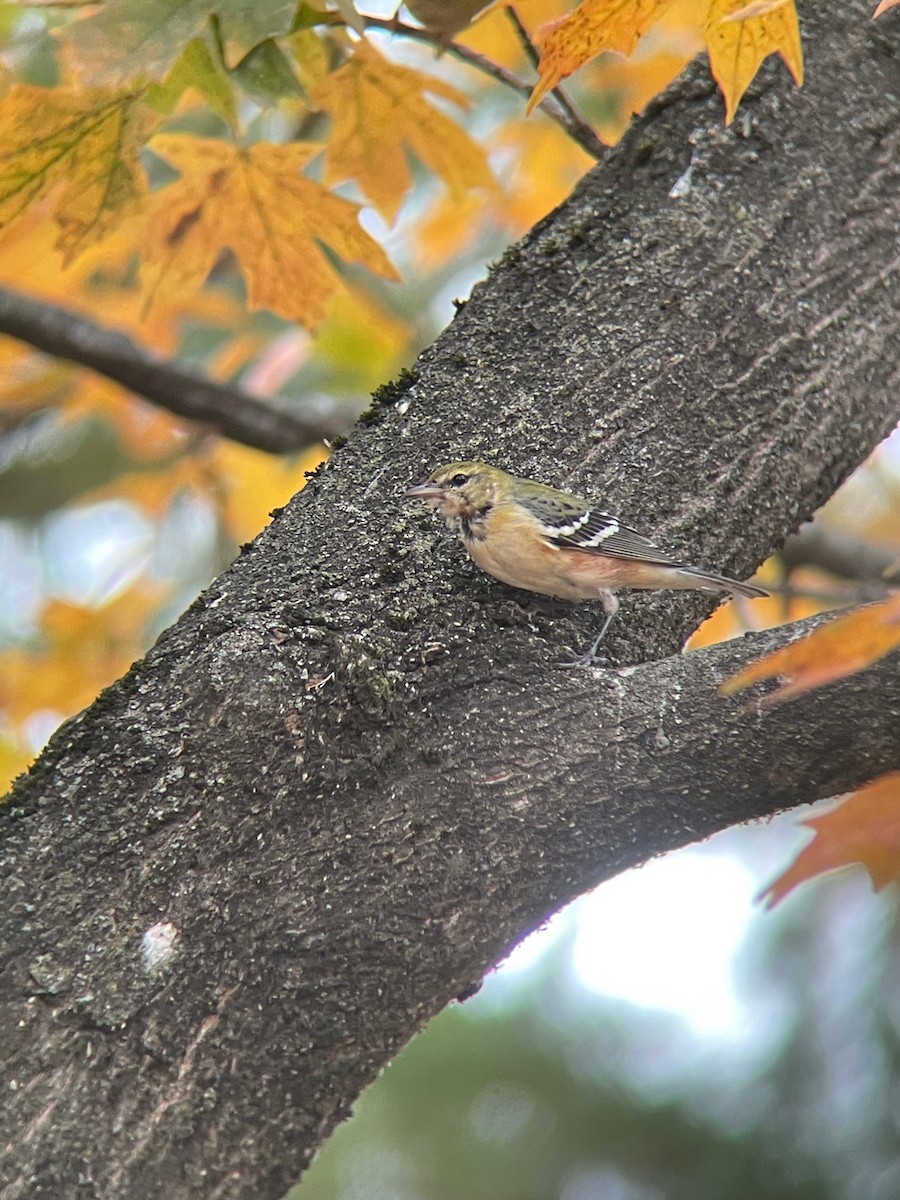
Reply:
x=597, y=532
x=570, y=522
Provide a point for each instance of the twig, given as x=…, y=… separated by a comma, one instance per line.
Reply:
x=574, y=125
x=524, y=38
x=535, y=59
x=227, y=410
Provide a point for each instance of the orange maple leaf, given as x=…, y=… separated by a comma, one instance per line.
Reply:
x=740, y=36
x=86, y=144
x=379, y=108
x=595, y=26
x=883, y=7
x=864, y=830
x=256, y=203
x=839, y=648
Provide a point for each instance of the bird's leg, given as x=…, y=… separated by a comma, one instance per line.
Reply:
x=590, y=658
x=610, y=602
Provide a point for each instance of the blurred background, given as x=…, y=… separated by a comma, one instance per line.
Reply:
x=665, y=1037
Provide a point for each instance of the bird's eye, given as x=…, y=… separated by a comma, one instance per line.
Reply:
x=459, y=480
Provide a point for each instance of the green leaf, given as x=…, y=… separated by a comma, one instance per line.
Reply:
x=308, y=17
x=195, y=68
x=136, y=39
x=267, y=75
x=246, y=23
x=310, y=56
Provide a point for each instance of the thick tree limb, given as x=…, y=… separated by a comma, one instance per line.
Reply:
x=224, y=409
x=238, y=903
x=351, y=775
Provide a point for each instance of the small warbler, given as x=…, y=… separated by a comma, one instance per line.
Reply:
x=544, y=540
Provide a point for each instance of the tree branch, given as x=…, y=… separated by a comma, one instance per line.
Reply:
x=534, y=58
x=227, y=410
x=211, y=885
x=846, y=555
x=351, y=776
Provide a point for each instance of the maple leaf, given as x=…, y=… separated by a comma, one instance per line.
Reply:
x=378, y=108
x=737, y=44
x=883, y=7
x=595, y=26
x=256, y=203
x=131, y=39
x=197, y=69
x=839, y=648
x=863, y=830
x=87, y=143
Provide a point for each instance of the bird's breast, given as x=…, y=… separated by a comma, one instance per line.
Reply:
x=531, y=564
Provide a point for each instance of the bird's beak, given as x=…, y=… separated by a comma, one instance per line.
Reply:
x=425, y=491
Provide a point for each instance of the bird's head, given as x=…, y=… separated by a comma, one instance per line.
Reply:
x=463, y=491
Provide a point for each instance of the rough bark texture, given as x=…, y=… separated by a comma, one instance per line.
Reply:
x=352, y=776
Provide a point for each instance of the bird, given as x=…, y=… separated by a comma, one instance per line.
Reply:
x=555, y=543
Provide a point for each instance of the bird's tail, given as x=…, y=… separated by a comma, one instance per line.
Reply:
x=711, y=582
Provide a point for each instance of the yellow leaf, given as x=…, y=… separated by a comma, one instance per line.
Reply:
x=449, y=227
x=839, y=648
x=756, y=8
x=864, y=829
x=595, y=26
x=494, y=37
x=378, y=109
x=29, y=381
x=629, y=84
x=737, y=47
x=256, y=203
x=361, y=343
x=85, y=142
x=541, y=166
x=99, y=282
x=545, y=167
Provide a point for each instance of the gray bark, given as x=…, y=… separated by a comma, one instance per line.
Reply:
x=352, y=776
